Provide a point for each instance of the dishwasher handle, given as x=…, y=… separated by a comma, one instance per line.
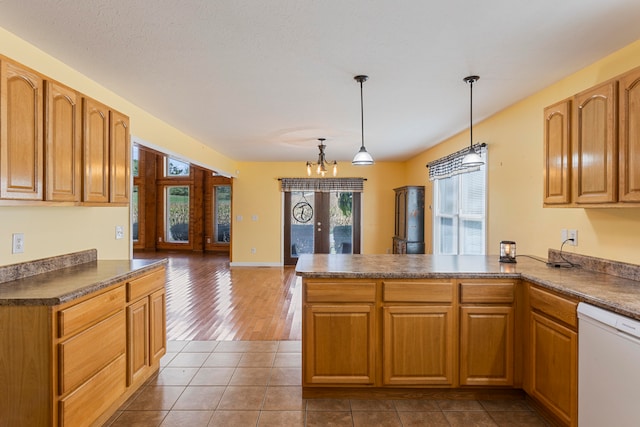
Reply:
x=628, y=326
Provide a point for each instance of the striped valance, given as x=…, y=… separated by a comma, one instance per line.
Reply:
x=451, y=165
x=322, y=185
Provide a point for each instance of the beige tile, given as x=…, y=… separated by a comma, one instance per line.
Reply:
x=288, y=360
x=286, y=376
x=281, y=418
x=187, y=418
x=232, y=346
x=372, y=405
x=505, y=405
x=290, y=346
x=156, y=398
x=257, y=360
x=212, y=376
x=469, y=419
x=173, y=376
x=423, y=419
x=176, y=346
x=223, y=360
x=188, y=360
x=139, y=419
x=168, y=357
x=517, y=419
x=199, y=398
x=284, y=399
x=247, y=346
x=419, y=405
x=460, y=405
x=329, y=418
x=242, y=398
x=200, y=346
x=368, y=419
x=333, y=405
x=250, y=376
x=234, y=418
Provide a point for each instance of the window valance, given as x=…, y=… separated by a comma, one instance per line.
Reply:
x=323, y=185
x=451, y=165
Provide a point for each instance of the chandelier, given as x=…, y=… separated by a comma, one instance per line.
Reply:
x=322, y=163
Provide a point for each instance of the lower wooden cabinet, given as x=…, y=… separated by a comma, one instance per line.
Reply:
x=146, y=326
x=553, y=354
x=418, y=345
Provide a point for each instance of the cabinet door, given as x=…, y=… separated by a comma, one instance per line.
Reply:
x=629, y=134
x=120, y=157
x=21, y=142
x=486, y=345
x=595, y=150
x=63, y=149
x=557, y=153
x=418, y=345
x=95, y=142
x=137, y=339
x=157, y=325
x=339, y=344
x=554, y=367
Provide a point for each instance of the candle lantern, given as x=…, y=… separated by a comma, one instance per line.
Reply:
x=507, y=251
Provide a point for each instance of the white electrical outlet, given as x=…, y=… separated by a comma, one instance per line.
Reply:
x=253, y=250
x=572, y=234
x=18, y=243
x=119, y=232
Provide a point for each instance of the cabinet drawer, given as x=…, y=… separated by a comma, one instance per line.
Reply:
x=89, y=312
x=558, y=307
x=145, y=285
x=95, y=396
x=340, y=292
x=498, y=293
x=89, y=351
x=422, y=291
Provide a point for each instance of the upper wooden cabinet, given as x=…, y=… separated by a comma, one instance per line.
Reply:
x=21, y=142
x=557, y=153
x=595, y=147
x=629, y=136
x=592, y=146
x=63, y=149
x=58, y=146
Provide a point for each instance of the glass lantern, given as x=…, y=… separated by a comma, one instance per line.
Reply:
x=507, y=251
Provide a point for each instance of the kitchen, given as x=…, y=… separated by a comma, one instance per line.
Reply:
x=514, y=201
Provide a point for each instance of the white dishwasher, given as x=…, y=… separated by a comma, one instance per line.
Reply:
x=608, y=368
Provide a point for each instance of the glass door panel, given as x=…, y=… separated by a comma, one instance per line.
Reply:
x=302, y=214
x=341, y=222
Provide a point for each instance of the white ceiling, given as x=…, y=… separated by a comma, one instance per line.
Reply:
x=262, y=80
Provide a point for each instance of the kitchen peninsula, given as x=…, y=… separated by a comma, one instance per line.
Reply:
x=79, y=336
x=459, y=326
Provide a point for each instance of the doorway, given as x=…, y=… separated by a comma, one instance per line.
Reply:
x=321, y=223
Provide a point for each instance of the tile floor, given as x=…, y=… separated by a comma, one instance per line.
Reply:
x=257, y=383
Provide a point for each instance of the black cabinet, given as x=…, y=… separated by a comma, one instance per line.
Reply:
x=409, y=220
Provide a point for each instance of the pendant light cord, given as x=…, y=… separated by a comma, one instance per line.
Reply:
x=471, y=113
x=361, y=113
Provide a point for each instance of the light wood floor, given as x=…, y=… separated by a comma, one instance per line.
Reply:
x=208, y=300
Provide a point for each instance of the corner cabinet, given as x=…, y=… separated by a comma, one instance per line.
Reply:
x=409, y=220
x=592, y=146
x=69, y=364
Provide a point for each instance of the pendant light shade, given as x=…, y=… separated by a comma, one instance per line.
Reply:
x=472, y=158
x=362, y=157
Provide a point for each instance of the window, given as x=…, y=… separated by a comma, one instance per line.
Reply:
x=222, y=213
x=175, y=167
x=135, y=161
x=135, y=213
x=459, y=213
x=177, y=214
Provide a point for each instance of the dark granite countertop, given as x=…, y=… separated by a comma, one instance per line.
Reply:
x=64, y=284
x=612, y=292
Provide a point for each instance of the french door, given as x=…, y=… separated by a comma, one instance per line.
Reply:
x=321, y=223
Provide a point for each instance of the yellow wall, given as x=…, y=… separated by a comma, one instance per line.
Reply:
x=256, y=191
x=53, y=231
x=514, y=137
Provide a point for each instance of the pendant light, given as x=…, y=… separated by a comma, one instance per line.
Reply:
x=472, y=158
x=362, y=157
x=321, y=164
